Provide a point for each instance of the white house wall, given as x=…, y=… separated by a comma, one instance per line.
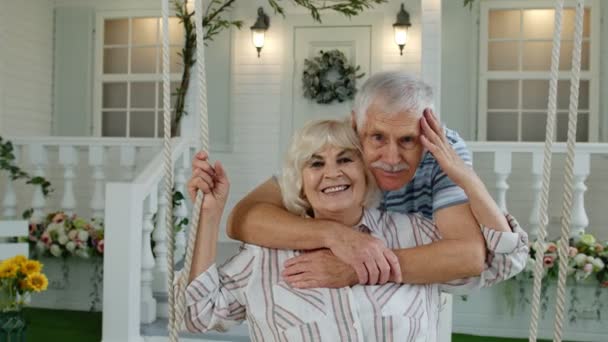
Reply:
x=26, y=68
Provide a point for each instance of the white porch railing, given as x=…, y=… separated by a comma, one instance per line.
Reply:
x=77, y=168
x=497, y=161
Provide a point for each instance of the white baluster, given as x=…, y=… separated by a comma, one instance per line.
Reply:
x=96, y=161
x=180, y=212
x=502, y=168
x=9, y=201
x=127, y=161
x=148, y=303
x=38, y=159
x=159, y=285
x=537, y=185
x=68, y=157
x=580, y=221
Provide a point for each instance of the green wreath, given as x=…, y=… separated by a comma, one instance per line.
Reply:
x=320, y=83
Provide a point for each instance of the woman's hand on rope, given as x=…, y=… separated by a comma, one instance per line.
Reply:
x=433, y=138
x=212, y=180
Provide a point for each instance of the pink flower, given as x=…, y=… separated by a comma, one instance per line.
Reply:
x=100, y=245
x=599, y=248
x=548, y=261
x=588, y=268
x=58, y=218
x=46, y=239
x=604, y=283
x=573, y=252
x=551, y=247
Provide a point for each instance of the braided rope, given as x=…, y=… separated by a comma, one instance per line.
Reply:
x=546, y=181
x=204, y=142
x=168, y=168
x=569, y=172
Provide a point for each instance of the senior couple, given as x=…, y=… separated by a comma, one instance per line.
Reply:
x=368, y=222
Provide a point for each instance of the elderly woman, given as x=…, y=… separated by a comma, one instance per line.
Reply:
x=324, y=178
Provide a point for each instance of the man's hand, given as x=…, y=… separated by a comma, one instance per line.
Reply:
x=367, y=255
x=318, y=268
x=433, y=138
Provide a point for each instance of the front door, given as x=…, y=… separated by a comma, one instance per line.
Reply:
x=354, y=42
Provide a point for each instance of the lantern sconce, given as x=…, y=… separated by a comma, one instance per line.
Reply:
x=400, y=28
x=258, y=30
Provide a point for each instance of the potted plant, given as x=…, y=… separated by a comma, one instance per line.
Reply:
x=19, y=277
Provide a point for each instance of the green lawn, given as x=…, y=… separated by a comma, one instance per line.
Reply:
x=76, y=326
x=65, y=326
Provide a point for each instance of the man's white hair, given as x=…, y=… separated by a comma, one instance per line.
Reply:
x=394, y=91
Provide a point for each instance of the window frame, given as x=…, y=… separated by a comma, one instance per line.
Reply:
x=592, y=75
x=100, y=78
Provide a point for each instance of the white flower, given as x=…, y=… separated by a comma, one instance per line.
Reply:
x=55, y=250
x=70, y=246
x=83, y=253
x=598, y=264
x=73, y=234
x=40, y=246
x=530, y=265
x=63, y=239
x=581, y=275
x=580, y=259
x=83, y=235
x=55, y=227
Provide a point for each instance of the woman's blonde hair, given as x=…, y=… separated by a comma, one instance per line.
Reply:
x=312, y=138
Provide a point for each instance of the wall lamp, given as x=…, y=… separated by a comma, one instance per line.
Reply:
x=400, y=28
x=258, y=30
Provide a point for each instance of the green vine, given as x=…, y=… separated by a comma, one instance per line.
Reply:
x=8, y=164
x=214, y=22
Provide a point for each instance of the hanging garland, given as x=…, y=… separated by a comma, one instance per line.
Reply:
x=329, y=77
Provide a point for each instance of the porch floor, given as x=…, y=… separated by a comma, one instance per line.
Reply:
x=77, y=326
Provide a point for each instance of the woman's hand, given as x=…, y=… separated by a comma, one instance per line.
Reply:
x=212, y=181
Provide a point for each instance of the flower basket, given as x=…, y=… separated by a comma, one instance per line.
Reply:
x=13, y=326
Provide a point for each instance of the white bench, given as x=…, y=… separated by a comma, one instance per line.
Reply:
x=11, y=229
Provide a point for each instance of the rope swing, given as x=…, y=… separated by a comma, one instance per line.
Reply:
x=177, y=304
x=569, y=172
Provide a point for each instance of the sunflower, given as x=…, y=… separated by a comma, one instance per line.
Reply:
x=31, y=266
x=37, y=282
x=8, y=270
x=18, y=260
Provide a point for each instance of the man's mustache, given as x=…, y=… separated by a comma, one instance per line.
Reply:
x=390, y=168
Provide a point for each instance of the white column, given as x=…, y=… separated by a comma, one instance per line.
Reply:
x=580, y=221
x=38, y=159
x=537, y=184
x=122, y=264
x=96, y=161
x=161, y=276
x=9, y=200
x=502, y=168
x=68, y=157
x=181, y=211
x=148, y=303
x=127, y=161
x=431, y=46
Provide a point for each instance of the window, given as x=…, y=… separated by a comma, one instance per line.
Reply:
x=131, y=80
x=515, y=62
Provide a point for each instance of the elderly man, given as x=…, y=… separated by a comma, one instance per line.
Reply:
x=419, y=167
